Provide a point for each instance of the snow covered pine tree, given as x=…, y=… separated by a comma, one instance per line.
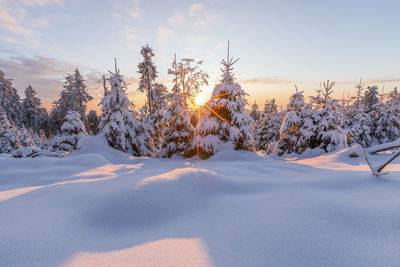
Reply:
x=148, y=74
x=178, y=132
x=271, y=121
x=9, y=135
x=10, y=101
x=226, y=124
x=72, y=130
x=297, y=127
x=34, y=116
x=120, y=128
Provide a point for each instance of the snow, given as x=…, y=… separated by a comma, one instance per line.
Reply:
x=101, y=207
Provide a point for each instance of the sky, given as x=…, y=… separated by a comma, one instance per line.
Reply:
x=279, y=44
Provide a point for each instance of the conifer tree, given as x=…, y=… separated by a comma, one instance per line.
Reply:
x=328, y=123
x=178, y=131
x=155, y=121
x=80, y=96
x=72, y=130
x=9, y=135
x=148, y=75
x=271, y=121
x=225, y=123
x=297, y=130
x=121, y=129
x=255, y=113
x=10, y=101
x=73, y=97
x=92, y=123
x=34, y=115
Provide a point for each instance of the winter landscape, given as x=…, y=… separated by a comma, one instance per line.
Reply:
x=174, y=162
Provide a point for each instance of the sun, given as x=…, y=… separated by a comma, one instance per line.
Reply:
x=200, y=99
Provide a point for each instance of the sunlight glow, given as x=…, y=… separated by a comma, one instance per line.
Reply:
x=200, y=99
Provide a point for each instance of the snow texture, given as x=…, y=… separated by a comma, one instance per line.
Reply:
x=101, y=207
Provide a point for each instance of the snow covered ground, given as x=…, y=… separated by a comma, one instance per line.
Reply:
x=101, y=207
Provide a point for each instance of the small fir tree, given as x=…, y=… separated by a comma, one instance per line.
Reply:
x=72, y=130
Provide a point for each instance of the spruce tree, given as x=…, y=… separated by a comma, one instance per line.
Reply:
x=155, y=122
x=177, y=132
x=33, y=114
x=80, y=96
x=73, y=97
x=92, y=123
x=148, y=73
x=9, y=135
x=72, y=130
x=255, y=113
x=10, y=101
x=121, y=129
x=297, y=129
x=328, y=122
x=271, y=121
x=226, y=123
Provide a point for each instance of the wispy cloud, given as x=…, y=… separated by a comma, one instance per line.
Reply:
x=266, y=81
x=195, y=8
x=14, y=18
x=378, y=81
x=41, y=3
x=45, y=74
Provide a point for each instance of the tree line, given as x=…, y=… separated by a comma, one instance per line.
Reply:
x=168, y=126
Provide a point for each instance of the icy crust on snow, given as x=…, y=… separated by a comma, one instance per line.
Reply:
x=100, y=207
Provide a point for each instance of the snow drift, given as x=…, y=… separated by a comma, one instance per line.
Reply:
x=101, y=207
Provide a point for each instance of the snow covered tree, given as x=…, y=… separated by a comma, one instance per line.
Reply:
x=10, y=101
x=387, y=126
x=34, y=115
x=80, y=96
x=9, y=135
x=227, y=121
x=255, y=113
x=370, y=99
x=297, y=130
x=155, y=122
x=73, y=97
x=148, y=73
x=72, y=130
x=92, y=123
x=121, y=129
x=328, y=123
x=271, y=121
x=177, y=132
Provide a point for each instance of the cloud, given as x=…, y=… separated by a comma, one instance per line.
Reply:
x=266, y=81
x=135, y=11
x=195, y=8
x=394, y=80
x=11, y=40
x=13, y=24
x=176, y=19
x=41, y=3
x=46, y=75
x=128, y=10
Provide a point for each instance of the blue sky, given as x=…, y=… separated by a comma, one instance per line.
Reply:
x=279, y=43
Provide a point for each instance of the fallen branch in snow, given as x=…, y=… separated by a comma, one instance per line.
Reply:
x=377, y=170
x=387, y=162
x=384, y=147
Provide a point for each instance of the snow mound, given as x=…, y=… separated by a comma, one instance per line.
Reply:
x=233, y=155
x=98, y=145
